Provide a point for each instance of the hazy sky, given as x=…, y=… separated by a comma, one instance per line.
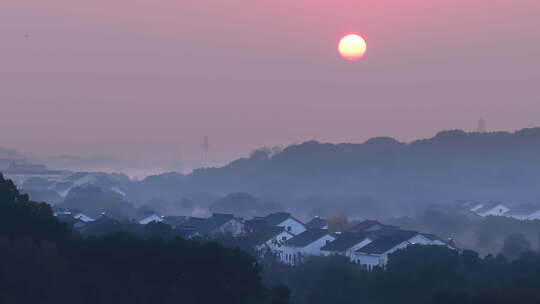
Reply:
x=151, y=78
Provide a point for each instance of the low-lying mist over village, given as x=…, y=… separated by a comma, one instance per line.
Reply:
x=269, y=152
x=369, y=211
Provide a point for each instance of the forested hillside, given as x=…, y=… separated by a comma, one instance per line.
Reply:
x=41, y=261
x=453, y=164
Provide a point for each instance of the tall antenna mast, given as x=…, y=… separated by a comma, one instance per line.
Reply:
x=206, y=147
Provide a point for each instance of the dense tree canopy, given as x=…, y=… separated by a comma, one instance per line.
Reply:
x=415, y=275
x=41, y=262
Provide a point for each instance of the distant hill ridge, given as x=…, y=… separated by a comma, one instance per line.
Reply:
x=453, y=162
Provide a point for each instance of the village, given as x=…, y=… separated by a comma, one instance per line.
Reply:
x=280, y=235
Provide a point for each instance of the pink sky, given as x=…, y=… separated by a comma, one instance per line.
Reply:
x=150, y=78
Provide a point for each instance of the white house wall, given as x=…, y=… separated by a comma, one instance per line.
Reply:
x=294, y=255
x=370, y=261
x=293, y=226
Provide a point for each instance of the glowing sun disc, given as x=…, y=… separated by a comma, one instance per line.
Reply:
x=352, y=47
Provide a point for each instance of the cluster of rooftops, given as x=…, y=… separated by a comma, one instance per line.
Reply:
x=285, y=237
x=519, y=212
x=366, y=242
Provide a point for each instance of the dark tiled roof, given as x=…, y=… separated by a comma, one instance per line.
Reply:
x=257, y=223
x=266, y=233
x=174, y=220
x=206, y=225
x=387, y=242
x=316, y=223
x=367, y=225
x=276, y=218
x=307, y=237
x=216, y=220
x=523, y=209
x=194, y=223
x=345, y=241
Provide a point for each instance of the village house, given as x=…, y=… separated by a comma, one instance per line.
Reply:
x=73, y=213
x=285, y=220
x=218, y=223
x=270, y=239
x=175, y=221
x=147, y=219
x=317, y=223
x=368, y=226
x=491, y=209
x=375, y=254
x=306, y=244
x=346, y=244
x=524, y=212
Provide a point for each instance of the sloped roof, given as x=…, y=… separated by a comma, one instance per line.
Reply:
x=174, y=220
x=316, y=223
x=387, y=242
x=146, y=216
x=266, y=233
x=367, y=224
x=487, y=207
x=257, y=223
x=345, y=241
x=277, y=218
x=216, y=220
x=432, y=237
x=523, y=209
x=207, y=224
x=307, y=237
x=194, y=222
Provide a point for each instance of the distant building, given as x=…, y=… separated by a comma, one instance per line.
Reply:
x=147, y=219
x=63, y=215
x=304, y=245
x=221, y=223
x=175, y=221
x=490, y=209
x=367, y=226
x=346, y=244
x=481, y=126
x=524, y=212
x=375, y=254
x=283, y=219
x=218, y=223
x=368, y=248
x=317, y=223
x=270, y=239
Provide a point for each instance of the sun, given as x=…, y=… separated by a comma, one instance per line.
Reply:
x=352, y=47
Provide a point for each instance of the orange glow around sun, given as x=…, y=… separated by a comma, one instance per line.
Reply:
x=352, y=47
